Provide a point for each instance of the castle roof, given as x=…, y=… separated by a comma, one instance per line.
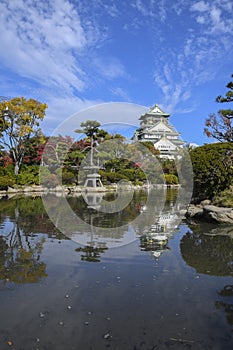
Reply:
x=161, y=127
x=155, y=111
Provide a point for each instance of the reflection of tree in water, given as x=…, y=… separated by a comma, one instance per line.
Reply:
x=91, y=252
x=109, y=219
x=226, y=292
x=31, y=215
x=21, y=265
x=209, y=254
x=20, y=246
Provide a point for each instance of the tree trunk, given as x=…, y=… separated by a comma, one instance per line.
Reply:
x=16, y=168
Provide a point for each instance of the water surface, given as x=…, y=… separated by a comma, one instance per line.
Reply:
x=150, y=284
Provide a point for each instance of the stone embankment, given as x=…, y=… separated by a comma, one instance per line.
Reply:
x=43, y=190
x=205, y=211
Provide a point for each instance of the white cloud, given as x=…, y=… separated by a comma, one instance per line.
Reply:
x=109, y=67
x=201, y=19
x=200, y=6
x=121, y=114
x=112, y=10
x=227, y=5
x=121, y=93
x=216, y=15
x=162, y=10
x=184, y=66
x=61, y=108
x=138, y=4
x=46, y=42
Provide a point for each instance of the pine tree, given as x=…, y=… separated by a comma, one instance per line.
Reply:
x=220, y=126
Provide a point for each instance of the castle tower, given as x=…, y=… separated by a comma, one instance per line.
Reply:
x=155, y=127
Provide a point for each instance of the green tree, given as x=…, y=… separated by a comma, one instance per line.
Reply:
x=56, y=150
x=209, y=254
x=35, y=149
x=93, y=132
x=212, y=169
x=220, y=126
x=90, y=128
x=19, y=122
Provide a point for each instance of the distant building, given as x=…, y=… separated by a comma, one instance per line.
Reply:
x=155, y=127
x=191, y=145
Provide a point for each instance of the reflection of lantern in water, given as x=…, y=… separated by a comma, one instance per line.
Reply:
x=93, y=200
x=92, y=250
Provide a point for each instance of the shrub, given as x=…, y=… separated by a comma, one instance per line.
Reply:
x=224, y=198
x=29, y=175
x=43, y=173
x=171, y=179
x=212, y=168
x=7, y=171
x=68, y=177
x=6, y=182
x=51, y=181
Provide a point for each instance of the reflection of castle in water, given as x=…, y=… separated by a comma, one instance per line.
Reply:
x=153, y=234
x=155, y=238
x=107, y=220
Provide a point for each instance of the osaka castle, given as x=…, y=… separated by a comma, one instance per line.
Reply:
x=155, y=127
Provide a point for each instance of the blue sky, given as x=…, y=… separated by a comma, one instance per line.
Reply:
x=76, y=54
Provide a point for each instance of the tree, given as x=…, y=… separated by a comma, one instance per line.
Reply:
x=220, y=127
x=91, y=129
x=35, y=149
x=212, y=169
x=209, y=254
x=56, y=150
x=19, y=122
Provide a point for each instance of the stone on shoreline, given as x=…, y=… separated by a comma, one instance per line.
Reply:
x=210, y=213
x=219, y=214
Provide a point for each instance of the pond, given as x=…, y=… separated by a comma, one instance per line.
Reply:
x=115, y=271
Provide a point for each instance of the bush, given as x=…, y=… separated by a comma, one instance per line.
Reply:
x=7, y=171
x=51, y=181
x=225, y=198
x=171, y=179
x=29, y=175
x=212, y=168
x=108, y=176
x=6, y=182
x=68, y=177
x=43, y=173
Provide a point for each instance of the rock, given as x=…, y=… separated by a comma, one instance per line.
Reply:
x=13, y=190
x=223, y=230
x=218, y=214
x=210, y=213
x=107, y=336
x=205, y=202
x=194, y=211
